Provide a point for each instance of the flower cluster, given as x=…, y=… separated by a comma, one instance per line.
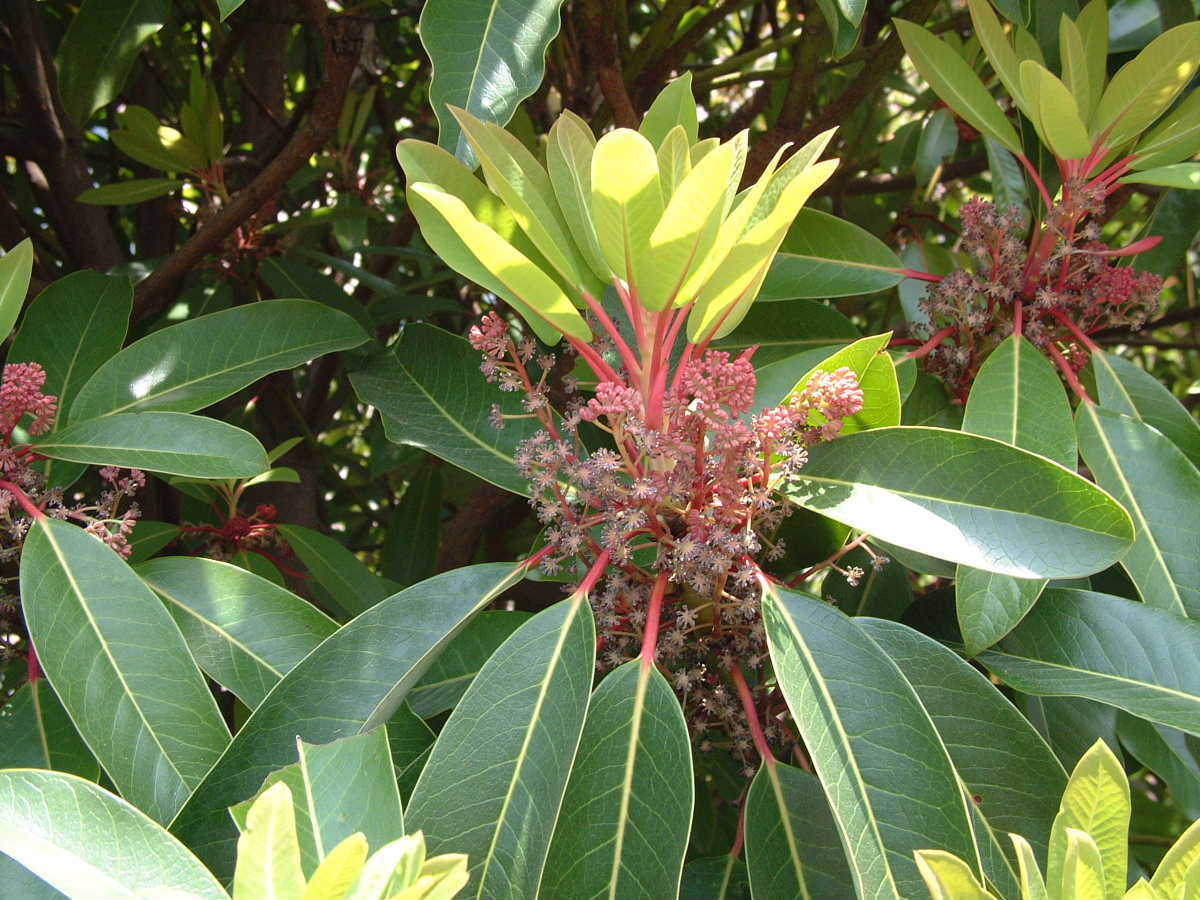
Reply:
x=692, y=499
x=1066, y=280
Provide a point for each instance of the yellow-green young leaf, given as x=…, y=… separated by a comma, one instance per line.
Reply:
x=1149, y=83
x=16, y=268
x=1185, y=176
x=569, y=163
x=700, y=148
x=1191, y=883
x=674, y=160
x=954, y=81
x=627, y=200
x=391, y=868
x=1026, y=47
x=1172, y=871
x=1083, y=872
x=164, y=148
x=1076, y=74
x=519, y=180
x=733, y=286
x=999, y=50
x=479, y=253
x=1058, y=119
x=441, y=878
x=673, y=106
x=1141, y=890
x=688, y=227
x=1175, y=138
x=1096, y=801
x=1092, y=23
x=948, y=877
x=1033, y=886
x=268, y=864
x=339, y=870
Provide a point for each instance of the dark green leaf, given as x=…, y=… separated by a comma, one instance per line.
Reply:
x=288, y=278
x=353, y=586
x=244, y=631
x=169, y=442
x=135, y=190
x=36, y=733
x=1169, y=753
x=824, y=256
x=939, y=140
x=196, y=363
x=990, y=605
x=495, y=780
x=100, y=632
x=410, y=546
x=149, y=537
x=1125, y=387
x=885, y=592
x=715, y=878
x=627, y=811
x=789, y=327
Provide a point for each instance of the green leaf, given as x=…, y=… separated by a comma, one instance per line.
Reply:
x=1157, y=484
x=990, y=605
x=1147, y=85
x=99, y=48
x=36, y=733
x=496, y=777
x=1092, y=23
x=948, y=877
x=88, y=843
x=1058, y=120
x=268, y=862
x=452, y=672
x=71, y=328
x=487, y=55
x=1096, y=802
x=853, y=10
x=876, y=374
x=338, y=789
x=965, y=498
x=780, y=330
x=673, y=106
x=170, y=442
x=792, y=844
x=353, y=586
x=1009, y=190
x=194, y=364
x=1178, y=862
x=885, y=592
x=1116, y=651
x=16, y=267
x=715, y=878
x=1033, y=886
x=939, y=140
x=100, y=632
x=135, y=190
x=1170, y=754
x=569, y=164
x=410, y=545
x=1175, y=138
x=627, y=811
x=378, y=657
x=339, y=870
x=891, y=786
x=162, y=147
x=1185, y=176
x=953, y=80
x=999, y=50
x=288, y=278
x=824, y=256
x=1016, y=788
x=228, y=7
x=1077, y=75
x=431, y=395
x=244, y=631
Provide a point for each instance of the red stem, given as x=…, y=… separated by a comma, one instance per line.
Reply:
x=1078, y=332
x=33, y=665
x=1069, y=373
x=756, y=731
x=1019, y=319
x=739, y=839
x=623, y=348
x=653, y=617
x=594, y=573
x=594, y=359
x=1037, y=179
x=929, y=345
x=22, y=498
x=920, y=276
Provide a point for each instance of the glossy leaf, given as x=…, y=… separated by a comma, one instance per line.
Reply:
x=244, y=631
x=196, y=363
x=674, y=105
x=495, y=780
x=100, y=632
x=337, y=789
x=1156, y=483
x=382, y=654
x=953, y=80
x=288, y=278
x=990, y=605
x=938, y=141
x=1174, y=139
x=1058, y=120
x=715, y=878
x=1125, y=387
x=1010, y=772
x=99, y=49
x=353, y=586
x=431, y=396
x=824, y=256
x=891, y=786
x=488, y=56
x=37, y=733
x=780, y=330
x=87, y=843
x=876, y=374
x=1116, y=651
x=454, y=669
x=1077, y=76
x=135, y=190
x=1185, y=176
x=1145, y=86
x=169, y=442
x=965, y=498
x=569, y=151
x=627, y=811
x=792, y=844
x=1096, y=802
x=16, y=267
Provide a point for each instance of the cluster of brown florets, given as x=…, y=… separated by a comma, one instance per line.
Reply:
x=1066, y=275
x=693, y=497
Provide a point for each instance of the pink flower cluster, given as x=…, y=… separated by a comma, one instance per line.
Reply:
x=21, y=395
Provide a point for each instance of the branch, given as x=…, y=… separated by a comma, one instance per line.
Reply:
x=887, y=183
x=598, y=19
x=343, y=43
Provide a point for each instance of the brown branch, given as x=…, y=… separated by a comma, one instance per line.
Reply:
x=472, y=521
x=887, y=183
x=601, y=27
x=343, y=39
